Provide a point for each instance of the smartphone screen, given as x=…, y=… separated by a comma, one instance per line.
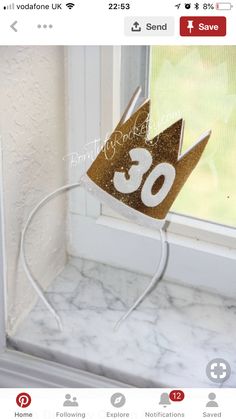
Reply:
x=117, y=193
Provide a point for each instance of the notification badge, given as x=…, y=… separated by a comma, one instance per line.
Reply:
x=23, y=400
x=176, y=395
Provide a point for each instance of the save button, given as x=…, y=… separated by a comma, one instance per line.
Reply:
x=203, y=26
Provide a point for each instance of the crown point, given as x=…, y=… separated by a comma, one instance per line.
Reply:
x=170, y=141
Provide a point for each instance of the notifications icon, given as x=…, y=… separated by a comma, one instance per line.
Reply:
x=23, y=400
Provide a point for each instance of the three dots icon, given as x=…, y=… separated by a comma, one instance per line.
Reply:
x=39, y=26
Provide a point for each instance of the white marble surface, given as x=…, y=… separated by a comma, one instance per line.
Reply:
x=167, y=341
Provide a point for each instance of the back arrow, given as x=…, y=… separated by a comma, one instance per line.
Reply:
x=13, y=26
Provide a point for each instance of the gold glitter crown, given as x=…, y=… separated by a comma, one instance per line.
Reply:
x=142, y=177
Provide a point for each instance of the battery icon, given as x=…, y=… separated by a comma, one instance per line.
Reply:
x=223, y=6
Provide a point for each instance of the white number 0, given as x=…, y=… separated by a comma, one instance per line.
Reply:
x=143, y=162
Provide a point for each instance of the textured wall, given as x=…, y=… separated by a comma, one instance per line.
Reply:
x=33, y=142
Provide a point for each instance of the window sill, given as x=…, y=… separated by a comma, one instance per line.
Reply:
x=191, y=261
x=173, y=324
x=19, y=370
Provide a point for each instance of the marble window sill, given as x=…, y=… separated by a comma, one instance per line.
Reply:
x=167, y=341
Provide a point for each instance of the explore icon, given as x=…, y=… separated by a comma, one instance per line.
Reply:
x=118, y=400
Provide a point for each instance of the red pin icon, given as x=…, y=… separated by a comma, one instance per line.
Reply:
x=23, y=400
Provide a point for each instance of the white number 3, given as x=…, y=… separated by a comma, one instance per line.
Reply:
x=143, y=161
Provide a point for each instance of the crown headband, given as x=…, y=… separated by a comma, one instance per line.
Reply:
x=138, y=177
x=141, y=178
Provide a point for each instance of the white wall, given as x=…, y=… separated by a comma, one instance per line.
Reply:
x=32, y=129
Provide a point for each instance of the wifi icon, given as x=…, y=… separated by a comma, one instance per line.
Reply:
x=70, y=5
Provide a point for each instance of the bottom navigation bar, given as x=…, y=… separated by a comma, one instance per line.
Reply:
x=117, y=403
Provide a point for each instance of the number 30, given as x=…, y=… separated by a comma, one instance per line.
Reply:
x=143, y=161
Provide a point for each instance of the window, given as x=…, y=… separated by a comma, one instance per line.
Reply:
x=198, y=84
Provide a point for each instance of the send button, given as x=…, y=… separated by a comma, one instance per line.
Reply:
x=149, y=26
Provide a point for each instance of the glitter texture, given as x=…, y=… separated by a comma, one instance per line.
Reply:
x=164, y=148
